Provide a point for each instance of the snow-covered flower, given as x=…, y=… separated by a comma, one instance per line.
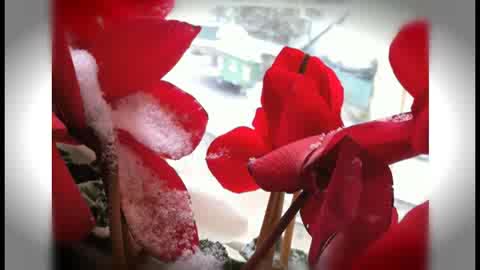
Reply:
x=107, y=90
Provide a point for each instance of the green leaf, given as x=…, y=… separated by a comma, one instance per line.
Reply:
x=94, y=194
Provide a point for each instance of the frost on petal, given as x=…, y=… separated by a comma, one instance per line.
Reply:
x=228, y=156
x=156, y=127
x=97, y=111
x=156, y=204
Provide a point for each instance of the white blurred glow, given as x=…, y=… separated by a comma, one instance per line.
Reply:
x=28, y=107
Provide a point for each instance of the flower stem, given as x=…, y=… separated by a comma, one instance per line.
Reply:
x=287, y=239
x=272, y=215
x=110, y=177
x=263, y=248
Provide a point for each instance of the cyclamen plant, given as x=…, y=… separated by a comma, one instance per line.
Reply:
x=346, y=202
x=108, y=61
x=108, y=58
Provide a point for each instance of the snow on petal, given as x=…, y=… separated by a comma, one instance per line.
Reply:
x=156, y=204
x=151, y=124
x=97, y=111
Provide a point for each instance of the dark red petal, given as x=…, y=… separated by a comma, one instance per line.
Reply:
x=310, y=211
x=260, y=125
x=409, y=57
x=228, y=156
x=134, y=54
x=374, y=216
x=166, y=119
x=281, y=169
x=155, y=202
x=67, y=101
x=341, y=197
x=404, y=246
x=388, y=139
x=60, y=132
x=72, y=220
x=305, y=114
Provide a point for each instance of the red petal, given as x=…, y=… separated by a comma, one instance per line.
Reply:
x=153, y=8
x=72, y=220
x=281, y=170
x=86, y=19
x=327, y=83
x=421, y=132
x=409, y=57
x=228, y=156
x=374, y=216
x=260, y=125
x=82, y=19
x=341, y=197
x=388, y=140
x=60, y=132
x=67, y=100
x=310, y=210
x=306, y=114
x=405, y=246
x=277, y=88
x=294, y=108
x=155, y=202
x=166, y=119
x=134, y=54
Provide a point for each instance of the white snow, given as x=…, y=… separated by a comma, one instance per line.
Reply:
x=97, y=110
x=153, y=125
x=197, y=261
x=160, y=218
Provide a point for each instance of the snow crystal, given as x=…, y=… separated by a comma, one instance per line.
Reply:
x=398, y=118
x=221, y=153
x=160, y=218
x=97, y=111
x=154, y=126
x=322, y=137
x=198, y=261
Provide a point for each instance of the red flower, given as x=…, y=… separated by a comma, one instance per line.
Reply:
x=346, y=171
x=111, y=94
x=301, y=97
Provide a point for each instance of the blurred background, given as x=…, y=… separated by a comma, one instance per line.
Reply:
x=224, y=68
